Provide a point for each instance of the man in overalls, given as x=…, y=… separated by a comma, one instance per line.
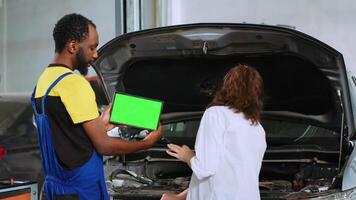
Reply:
x=72, y=135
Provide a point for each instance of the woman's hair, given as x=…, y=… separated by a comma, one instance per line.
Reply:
x=241, y=91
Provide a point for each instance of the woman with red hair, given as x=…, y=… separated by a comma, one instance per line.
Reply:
x=230, y=143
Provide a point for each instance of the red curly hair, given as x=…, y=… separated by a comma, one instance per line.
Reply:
x=242, y=91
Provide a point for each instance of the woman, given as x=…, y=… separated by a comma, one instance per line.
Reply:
x=230, y=143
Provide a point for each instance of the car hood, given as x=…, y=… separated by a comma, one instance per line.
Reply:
x=184, y=65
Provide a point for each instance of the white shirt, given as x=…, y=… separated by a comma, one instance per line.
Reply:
x=229, y=152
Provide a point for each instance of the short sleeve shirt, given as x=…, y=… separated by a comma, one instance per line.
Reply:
x=70, y=103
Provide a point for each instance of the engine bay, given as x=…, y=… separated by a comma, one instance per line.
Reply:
x=301, y=161
x=149, y=174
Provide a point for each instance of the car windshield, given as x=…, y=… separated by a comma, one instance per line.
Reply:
x=280, y=135
x=10, y=111
x=16, y=125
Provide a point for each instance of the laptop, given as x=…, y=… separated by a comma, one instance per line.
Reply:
x=135, y=111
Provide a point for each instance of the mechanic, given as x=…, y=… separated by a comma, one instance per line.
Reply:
x=230, y=143
x=72, y=135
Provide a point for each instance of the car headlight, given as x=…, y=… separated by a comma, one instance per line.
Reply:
x=345, y=195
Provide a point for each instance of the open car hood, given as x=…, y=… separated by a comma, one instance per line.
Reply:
x=184, y=65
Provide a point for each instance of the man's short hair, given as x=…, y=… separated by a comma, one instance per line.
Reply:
x=70, y=27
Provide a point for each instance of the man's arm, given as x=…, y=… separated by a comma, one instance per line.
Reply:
x=96, y=131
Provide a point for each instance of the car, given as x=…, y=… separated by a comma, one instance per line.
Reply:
x=309, y=106
x=19, y=152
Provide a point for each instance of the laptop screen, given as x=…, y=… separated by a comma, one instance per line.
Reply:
x=136, y=111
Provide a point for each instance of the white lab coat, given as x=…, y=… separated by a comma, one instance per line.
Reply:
x=229, y=153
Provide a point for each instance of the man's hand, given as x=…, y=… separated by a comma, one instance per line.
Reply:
x=183, y=153
x=105, y=117
x=154, y=136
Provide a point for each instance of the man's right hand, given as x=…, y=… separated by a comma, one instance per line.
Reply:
x=154, y=136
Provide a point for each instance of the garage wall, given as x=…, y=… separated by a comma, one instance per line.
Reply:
x=2, y=61
x=332, y=22
x=26, y=36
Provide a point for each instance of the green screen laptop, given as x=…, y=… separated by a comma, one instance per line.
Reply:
x=136, y=111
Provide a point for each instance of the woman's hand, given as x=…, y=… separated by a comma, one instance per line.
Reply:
x=180, y=196
x=168, y=196
x=183, y=153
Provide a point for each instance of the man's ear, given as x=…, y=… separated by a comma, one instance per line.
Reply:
x=72, y=46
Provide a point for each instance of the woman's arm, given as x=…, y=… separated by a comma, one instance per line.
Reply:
x=208, y=146
x=183, y=153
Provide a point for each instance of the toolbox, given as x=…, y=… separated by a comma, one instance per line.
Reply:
x=18, y=190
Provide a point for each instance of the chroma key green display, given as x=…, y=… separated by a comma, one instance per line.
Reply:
x=136, y=111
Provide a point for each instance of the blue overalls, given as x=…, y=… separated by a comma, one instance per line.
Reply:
x=86, y=181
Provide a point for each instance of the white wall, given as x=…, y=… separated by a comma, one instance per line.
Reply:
x=330, y=21
x=2, y=52
x=26, y=42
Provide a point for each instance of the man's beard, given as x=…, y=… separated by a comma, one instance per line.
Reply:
x=82, y=63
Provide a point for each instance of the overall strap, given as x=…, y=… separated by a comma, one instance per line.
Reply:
x=50, y=88
x=33, y=102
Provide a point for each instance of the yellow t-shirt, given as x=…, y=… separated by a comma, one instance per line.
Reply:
x=70, y=103
x=74, y=91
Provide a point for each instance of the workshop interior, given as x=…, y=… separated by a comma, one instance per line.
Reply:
x=160, y=66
